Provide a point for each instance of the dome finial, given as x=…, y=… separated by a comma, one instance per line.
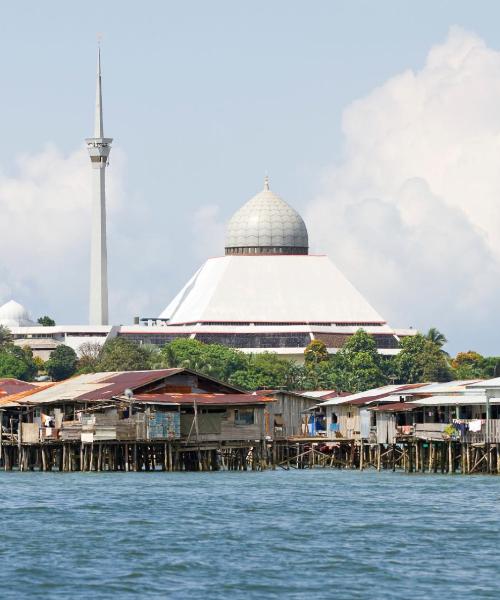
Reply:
x=266, y=183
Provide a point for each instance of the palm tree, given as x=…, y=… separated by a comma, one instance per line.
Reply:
x=436, y=337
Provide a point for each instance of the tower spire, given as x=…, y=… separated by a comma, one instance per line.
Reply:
x=99, y=148
x=98, y=128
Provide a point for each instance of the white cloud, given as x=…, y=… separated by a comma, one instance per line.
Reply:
x=412, y=212
x=44, y=231
x=208, y=232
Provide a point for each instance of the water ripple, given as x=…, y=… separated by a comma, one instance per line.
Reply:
x=329, y=534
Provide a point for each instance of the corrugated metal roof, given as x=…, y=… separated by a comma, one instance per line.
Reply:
x=10, y=386
x=204, y=399
x=119, y=382
x=457, y=400
x=446, y=387
x=320, y=394
x=98, y=386
x=374, y=394
x=485, y=384
x=104, y=386
x=396, y=407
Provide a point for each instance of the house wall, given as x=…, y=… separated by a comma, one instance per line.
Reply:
x=291, y=408
x=220, y=427
x=386, y=428
x=348, y=421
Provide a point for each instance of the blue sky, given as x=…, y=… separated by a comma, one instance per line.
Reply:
x=202, y=99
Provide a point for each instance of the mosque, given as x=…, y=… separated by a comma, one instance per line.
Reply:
x=265, y=294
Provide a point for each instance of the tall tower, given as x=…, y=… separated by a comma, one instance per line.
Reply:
x=99, y=148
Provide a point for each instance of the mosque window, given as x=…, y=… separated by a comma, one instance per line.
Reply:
x=256, y=340
x=156, y=339
x=225, y=323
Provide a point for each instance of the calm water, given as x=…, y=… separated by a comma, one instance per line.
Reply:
x=329, y=534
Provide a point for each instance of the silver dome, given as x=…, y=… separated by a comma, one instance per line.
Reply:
x=266, y=224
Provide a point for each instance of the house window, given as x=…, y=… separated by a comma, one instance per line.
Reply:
x=243, y=416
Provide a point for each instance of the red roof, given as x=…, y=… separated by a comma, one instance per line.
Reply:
x=397, y=407
x=14, y=386
x=118, y=383
x=211, y=399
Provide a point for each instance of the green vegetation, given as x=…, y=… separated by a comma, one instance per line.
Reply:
x=316, y=353
x=120, y=354
x=46, y=321
x=62, y=363
x=357, y=366
x=420, y=360
x=5, y=337
x=436, y=337
x=17, y=362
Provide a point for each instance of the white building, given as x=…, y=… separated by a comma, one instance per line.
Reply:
x=42, y=340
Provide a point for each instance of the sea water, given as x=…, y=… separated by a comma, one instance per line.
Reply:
x=243, y=535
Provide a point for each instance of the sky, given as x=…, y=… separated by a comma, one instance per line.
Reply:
x=378, y=121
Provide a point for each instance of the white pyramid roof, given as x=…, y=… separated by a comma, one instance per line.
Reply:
x=270, y=288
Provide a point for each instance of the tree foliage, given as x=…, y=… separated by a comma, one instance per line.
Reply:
x=421, y=360
x=88, y=357
x=120, y=354
x=5, y=337
x=17, y=362
x=62, y=363
x=215, y=360
x=436, y=337
x=46, y=321
x=316, y=352
x=359, y=364
x=472, y=365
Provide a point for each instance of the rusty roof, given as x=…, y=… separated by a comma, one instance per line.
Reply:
x=117, y=383
x=396, y=407
x=10, y=386
x=204, y=399
x=93, y=387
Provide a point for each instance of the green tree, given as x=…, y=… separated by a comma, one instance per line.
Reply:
x=359, y=364
x=490, y=367
x=322, y=376
x=39, y=363
x=436, y=337
x=62, y=363
x=120, y=354
x=316, y=352
x=5, y=337
x=46, y=321
x=215, y=360
x=468, y=365
x=420, y=360
x=17, y=363
x=266, y=371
